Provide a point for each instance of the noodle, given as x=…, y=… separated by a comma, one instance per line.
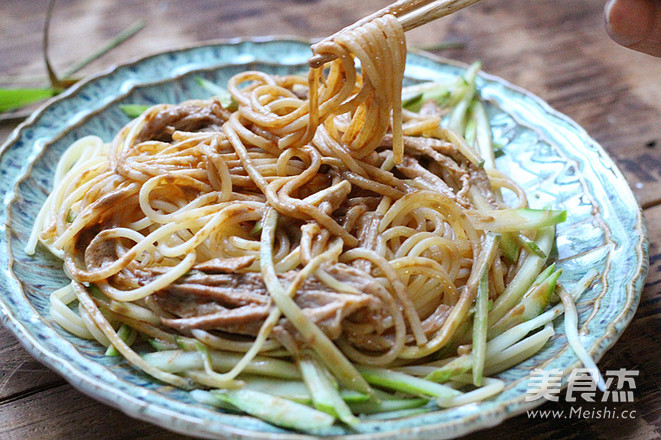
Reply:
x=315, y=217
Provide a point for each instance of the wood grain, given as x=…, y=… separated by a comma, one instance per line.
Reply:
x=20, y=373
x=558, y=50
x=63, y=413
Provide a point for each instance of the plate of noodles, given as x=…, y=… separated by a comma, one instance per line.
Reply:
x=228, y=243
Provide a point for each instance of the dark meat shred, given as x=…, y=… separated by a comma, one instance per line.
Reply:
x=185, y=117
x=224, y=265
x=239, y=303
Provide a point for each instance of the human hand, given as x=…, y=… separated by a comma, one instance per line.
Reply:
x=635, y=24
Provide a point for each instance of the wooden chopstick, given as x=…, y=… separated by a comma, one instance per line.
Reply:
x=410, y=13
x=432, y=11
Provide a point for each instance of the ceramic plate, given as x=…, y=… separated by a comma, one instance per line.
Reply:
x=556, y=162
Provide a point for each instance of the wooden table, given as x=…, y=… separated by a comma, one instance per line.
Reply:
x=558, y=50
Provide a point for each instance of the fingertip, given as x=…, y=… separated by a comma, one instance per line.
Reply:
x=628, y=22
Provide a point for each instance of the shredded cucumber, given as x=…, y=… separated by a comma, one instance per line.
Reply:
x=275, y=410
x=515, y=220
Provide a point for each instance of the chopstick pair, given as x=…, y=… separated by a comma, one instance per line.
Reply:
x=410, y=13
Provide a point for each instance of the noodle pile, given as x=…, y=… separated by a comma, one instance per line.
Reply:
x=312, y=219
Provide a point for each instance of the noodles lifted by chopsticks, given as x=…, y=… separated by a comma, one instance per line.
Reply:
x=314, y=222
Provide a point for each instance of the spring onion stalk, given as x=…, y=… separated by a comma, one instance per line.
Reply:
x=532, y=304
x=530, y=268
x=16, y=98
x=571, y=330
x=325, y=397
x=515, y=219
x=177, y=361
x=276, y=410
x=126, y=334
x=107, y=47
x=327, y=351
x=406, y=383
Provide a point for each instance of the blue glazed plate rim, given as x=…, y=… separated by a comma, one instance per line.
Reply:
x=200, y=421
